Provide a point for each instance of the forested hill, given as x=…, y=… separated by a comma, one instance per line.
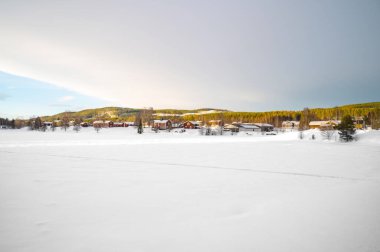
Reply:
x=275, y=117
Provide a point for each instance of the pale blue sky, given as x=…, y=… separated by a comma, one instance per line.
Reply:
x=25, y=97
x=238, y=55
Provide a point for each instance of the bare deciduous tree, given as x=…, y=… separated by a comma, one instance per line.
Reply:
x=77, y=122
x=65, y=121
x=327, y=134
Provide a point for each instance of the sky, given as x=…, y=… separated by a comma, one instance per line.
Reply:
x=237, y=55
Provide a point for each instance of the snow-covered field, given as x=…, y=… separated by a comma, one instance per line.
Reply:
x=119, y=191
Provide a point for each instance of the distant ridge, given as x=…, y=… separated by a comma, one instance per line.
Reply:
x=129, y=114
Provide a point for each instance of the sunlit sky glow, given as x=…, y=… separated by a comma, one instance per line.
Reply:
x=237, y=55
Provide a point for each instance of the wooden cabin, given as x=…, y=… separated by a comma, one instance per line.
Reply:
x=162, y=124
x=192, y=125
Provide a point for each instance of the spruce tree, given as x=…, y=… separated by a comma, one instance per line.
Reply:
x=346, y=128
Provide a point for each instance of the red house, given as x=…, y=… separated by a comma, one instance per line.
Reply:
x=192, y=125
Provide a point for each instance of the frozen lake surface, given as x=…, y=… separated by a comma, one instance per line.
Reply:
x=119, y=191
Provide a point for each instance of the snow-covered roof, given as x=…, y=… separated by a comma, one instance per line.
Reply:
x=194, y=122
x=161, y=121
x=249, y=126
x=98, y=122
x=324, y=123
x=230, y=126
x=263, y=124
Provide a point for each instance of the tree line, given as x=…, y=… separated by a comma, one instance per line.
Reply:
x=370, y=112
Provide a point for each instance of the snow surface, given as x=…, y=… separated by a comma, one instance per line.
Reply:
x=119, y=191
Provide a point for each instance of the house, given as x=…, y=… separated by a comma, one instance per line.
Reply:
x=98, y=124
x=57, y=123
x=177, y=125
x=129, y=124
x=215, y=123
x=247, y=126
x=290, y=124
x=231, y=128
x=255, y=127
x=162, y=124
x=84, y=124
x=359, y=122
x=108, y=124
x=192, y=125
x=323, y=124
x=265, y=127
x=119, y=124
x=48, y=124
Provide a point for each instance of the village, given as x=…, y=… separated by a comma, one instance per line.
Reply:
x=213, y=126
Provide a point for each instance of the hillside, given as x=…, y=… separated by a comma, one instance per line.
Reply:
x=204, y=114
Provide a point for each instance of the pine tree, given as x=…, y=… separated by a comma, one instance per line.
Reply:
x=37, y=123
x=346, y=128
